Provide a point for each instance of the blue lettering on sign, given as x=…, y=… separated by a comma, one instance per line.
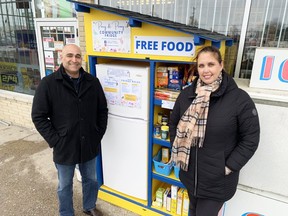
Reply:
x=179, y=46
x=188, y=46
x=164, y=46
x=147, y=45
x=137, y=44
x=171, y=46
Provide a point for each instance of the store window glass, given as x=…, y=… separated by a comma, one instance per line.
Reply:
x=181, y=11
x=206, y=15
x=222, y=16
x=267, y=27
x=54, y=9
x=230, y=25
x=158, y=8
x=53, y=39
x=193, y=12
x=19, y=65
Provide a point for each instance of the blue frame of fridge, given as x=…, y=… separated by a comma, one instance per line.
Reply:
x=92, y=60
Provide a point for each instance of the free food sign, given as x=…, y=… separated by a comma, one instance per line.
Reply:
x=167, y=46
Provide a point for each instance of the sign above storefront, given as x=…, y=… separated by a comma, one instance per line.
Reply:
x=168, y=46
x=270, y=69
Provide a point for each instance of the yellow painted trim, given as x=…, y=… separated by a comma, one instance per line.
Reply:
x=124, y=195
x=118, y=201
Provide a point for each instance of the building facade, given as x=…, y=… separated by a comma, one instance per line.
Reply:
x=26, y=55
x=33, y=32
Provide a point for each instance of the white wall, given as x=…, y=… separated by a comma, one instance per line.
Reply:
x=268, y=168
x=263, y=183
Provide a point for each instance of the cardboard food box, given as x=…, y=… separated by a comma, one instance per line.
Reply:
x=168, y=201
x=180, y=201
x=174, y=194
x=167, y=191
x=159, y=196
x=161, y=77
x=185, y=208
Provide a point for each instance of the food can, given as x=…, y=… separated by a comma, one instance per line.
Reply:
x=157, y=130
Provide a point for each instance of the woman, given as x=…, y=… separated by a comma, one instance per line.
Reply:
x=214, y=130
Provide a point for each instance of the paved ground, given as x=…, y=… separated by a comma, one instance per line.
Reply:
x=28, y=178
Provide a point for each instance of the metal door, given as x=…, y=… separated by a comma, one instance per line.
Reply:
x=52, y=34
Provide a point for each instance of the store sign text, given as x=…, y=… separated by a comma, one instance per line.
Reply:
x=270, y=71
x=172, y=46
x=9, y=79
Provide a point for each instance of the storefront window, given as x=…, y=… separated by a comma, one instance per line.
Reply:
x=19, y=66
x=54, y=9
x=222, y=16
x=19, y=63
x=267, y=27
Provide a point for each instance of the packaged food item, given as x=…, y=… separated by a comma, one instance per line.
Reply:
x=180, y=201
x=168, y=201
x=166, y=94
x=167, y=191
x=174, y=194
x=185, y=209
x=165, y=155
x=175, y=80
x=159, y=196
x=164, y=120
x=161, y=77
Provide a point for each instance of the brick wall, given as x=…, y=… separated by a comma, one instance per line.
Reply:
x=15, y=108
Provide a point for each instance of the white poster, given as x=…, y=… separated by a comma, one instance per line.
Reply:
x=121, y=89
x=111, y=36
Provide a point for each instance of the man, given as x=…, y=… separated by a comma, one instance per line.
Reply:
x=70, y=111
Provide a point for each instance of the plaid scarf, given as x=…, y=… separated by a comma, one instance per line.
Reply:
x=192, y=125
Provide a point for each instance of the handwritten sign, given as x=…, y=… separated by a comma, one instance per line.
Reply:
x=111, y=36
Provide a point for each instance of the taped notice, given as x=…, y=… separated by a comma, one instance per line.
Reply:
x=167, y=104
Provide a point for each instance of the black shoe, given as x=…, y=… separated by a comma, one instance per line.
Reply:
x=93, y=212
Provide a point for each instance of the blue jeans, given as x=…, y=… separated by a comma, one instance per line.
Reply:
x=65, y=186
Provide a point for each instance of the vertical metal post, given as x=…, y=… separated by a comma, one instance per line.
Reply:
x=242, y=37
x=282, y=24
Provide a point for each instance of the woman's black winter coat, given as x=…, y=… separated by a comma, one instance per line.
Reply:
x=232, y=137
x=72, y=124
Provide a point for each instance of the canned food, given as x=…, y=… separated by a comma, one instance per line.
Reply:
x=157, y=130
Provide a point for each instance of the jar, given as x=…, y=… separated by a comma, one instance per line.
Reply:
x=164, y=132
x=165, y=120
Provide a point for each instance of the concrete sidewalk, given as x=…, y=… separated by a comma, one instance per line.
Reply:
x=28, y=177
